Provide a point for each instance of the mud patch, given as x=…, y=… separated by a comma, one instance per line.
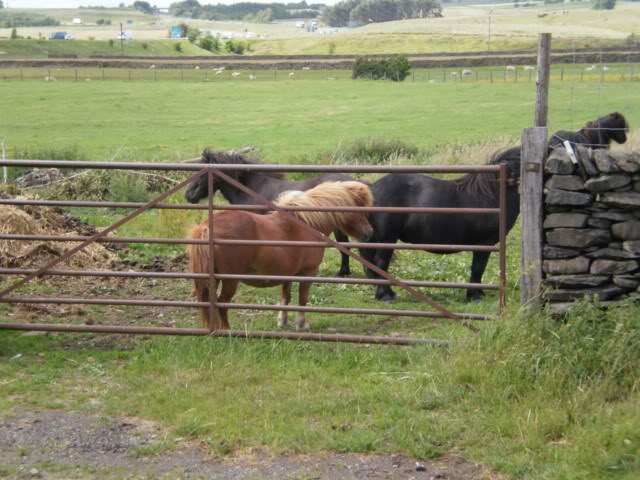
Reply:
x=57, y=444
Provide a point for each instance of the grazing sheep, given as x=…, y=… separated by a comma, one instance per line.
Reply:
x=252, y=77
x=291, y=74
x=466, y=73
x=235, y=74
x=529, y=67
x=511, y=68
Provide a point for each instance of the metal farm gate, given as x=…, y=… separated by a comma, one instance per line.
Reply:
x=261, y=204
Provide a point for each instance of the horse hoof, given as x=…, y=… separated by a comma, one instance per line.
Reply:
x=475, y=297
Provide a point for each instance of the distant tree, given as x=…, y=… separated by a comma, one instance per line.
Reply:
x=142, y=6
x=177, y=47
x=209, y=43
x=367, y=11
x=604, y=4
x=1, y=4
x=121, y=5
x=14, y=33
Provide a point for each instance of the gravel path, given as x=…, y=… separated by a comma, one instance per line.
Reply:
x=66, y=445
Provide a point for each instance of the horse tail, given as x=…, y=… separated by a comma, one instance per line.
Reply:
x=198, y=255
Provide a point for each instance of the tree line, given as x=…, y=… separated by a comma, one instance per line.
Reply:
x=239, y=11
x=358, y=12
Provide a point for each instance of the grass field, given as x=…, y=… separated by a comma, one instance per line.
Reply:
x=530, y=397
x=463, y=28
x=287, y=120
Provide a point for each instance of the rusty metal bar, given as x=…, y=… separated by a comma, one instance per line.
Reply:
x=213, y=291
x=103, y=301
x=502, y=243
x=99, y=235
x=253, y=167
x=231, y=276
x=352, y=311
x=188, y=206
x=304, y=336
x=238, y=306
x=268, y=243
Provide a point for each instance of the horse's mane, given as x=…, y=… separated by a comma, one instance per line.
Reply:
x=215, y=157
x=485, y=184
x=327, y=194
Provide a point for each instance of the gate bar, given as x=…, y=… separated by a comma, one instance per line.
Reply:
x=77, y=164
x=231, y=276
x=268, y=243
x=239, y=306
x=304, y=336
x=197, y=206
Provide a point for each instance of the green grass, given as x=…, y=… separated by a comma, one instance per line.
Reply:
x=287, y=120
x=24, y=48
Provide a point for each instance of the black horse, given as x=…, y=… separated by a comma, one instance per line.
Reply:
x=267, y=184
x=596, y=134
x=479, y=190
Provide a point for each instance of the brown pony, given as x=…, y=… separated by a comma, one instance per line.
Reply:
x=283, y=260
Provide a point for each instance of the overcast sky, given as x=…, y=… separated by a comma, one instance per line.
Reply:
x=115, y=3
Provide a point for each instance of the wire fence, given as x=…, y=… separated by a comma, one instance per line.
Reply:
x=599, y=73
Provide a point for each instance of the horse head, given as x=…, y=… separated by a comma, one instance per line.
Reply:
x=613, y=127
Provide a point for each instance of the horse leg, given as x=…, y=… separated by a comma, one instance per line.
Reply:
x=303, y=298
x=344, y=271
x=202, y=295
x=478, y=265
x=382, y=259
x=227, y=292
x=285, y=298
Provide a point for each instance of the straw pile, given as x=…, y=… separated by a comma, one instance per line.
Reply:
x=45, y=221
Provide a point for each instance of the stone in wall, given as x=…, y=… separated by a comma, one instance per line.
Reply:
x=559, y=162
x=565, y=182
x=566, y=266
x=577, y=281
x=571, y=220
x=604, y=162
x=621, y=199
x=602, y=293
x=612, y=254
x=626, y=230
x=578, y=237
x=563, y=197
x=603, y=266
x=604, y=183
x=554, y=253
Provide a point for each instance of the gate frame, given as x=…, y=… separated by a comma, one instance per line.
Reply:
x=264, y=204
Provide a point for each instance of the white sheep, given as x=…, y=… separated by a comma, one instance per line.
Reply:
x=511, y=68
x=466, y=73
x=252, y=77
x=235, y=74
x=291, y=74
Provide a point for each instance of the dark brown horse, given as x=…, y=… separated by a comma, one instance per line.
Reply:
x=284, y=260
x=598, y=133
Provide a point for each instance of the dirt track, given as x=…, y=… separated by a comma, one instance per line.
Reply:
x=58, y=444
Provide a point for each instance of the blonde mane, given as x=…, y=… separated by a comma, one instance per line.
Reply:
x=327, y=194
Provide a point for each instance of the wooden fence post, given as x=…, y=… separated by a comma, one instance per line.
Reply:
x=542, y=84
x=534, y=149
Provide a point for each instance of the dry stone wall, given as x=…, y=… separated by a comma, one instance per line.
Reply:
x=591, y=225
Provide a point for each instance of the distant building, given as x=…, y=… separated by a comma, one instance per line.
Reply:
x=176, y=32
x=77, y=21
x=59, y=36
